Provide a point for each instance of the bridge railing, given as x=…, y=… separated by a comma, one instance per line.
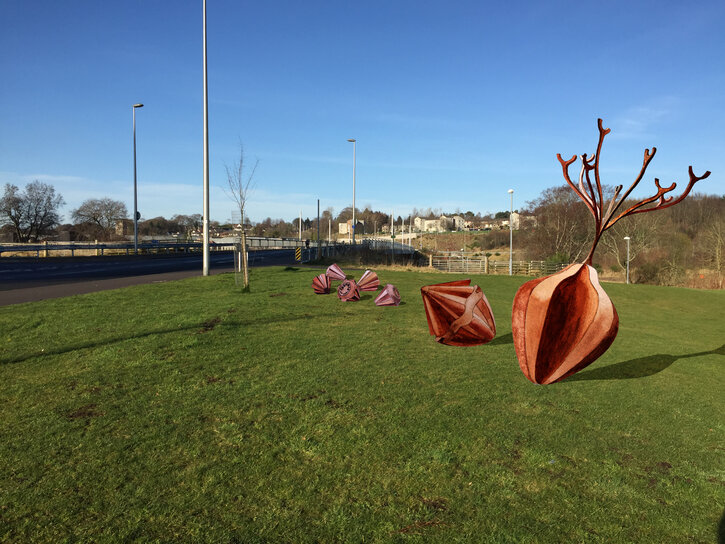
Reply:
x=50, y=249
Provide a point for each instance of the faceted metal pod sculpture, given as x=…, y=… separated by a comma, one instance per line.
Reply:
x=321, y=284
x=334, y=272
x=458, y=313
x=368, y=281
x=389, y=296
x=348, y=291
x=562, y=323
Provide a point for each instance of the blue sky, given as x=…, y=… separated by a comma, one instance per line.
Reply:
x=452, y=103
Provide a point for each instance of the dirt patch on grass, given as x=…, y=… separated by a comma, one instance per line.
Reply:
x=209, y=324
x=438, y=504
x=84, y=412
x=415, y=527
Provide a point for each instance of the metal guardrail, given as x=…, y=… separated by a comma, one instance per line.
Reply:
x=101, y=248
x=48, y=249
x=467, y=265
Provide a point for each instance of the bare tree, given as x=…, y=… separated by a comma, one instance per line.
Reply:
x=643, y=233
x=102, y=213
x=714, y=238
x=239, y=181
x=32, y=212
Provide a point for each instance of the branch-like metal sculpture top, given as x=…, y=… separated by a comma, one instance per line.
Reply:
x=594, y=199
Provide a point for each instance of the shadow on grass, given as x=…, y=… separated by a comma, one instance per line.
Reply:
x=98, y=343
x=501, y=340
x=200, y=328
x=638, y=368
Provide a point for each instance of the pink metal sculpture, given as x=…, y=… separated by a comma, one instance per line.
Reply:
x=562, y=323
x=348, y=291
x=458, y=314
x=321, y=284
x=389, y=296
x=334, y=272
x=369, y=281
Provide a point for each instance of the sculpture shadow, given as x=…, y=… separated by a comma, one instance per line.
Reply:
x=641, y=367
x=501, y=340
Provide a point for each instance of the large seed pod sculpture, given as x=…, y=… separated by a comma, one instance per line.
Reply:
x=564, y=322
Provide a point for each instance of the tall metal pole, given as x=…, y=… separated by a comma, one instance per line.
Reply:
x=318, y=228
x=205, y=265
x=135, y=192
x=511, y=235
x=354, y=144
x=627, y=238
x=300, y=225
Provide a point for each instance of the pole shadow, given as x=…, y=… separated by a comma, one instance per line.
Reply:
x=641, y=367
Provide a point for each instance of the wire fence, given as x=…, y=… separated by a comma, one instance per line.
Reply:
x=461, y=263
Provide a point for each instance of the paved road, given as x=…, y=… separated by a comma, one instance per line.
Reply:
x=29, y=279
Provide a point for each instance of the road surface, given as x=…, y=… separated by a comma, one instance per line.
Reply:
x=30, y=279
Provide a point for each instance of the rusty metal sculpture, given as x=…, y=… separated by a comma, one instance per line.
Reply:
x=564, y=322
x=458, y=313
x=369, y=281
x=389, y=296
x=348, y=291
x=321, y=284
x=334, y=272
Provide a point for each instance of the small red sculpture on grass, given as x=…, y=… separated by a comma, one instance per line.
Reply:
x=369, y=281
x=564, y=322
x=321, y=284
x=334, y=272
x=389, y=296
x=348, y=291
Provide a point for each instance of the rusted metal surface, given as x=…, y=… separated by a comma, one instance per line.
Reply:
x=458, y=313
x=389, y=296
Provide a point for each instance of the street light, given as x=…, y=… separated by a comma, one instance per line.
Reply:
x=205, y=224
x=135, y=192
x=354, y=143
x=511, y=235
x=627, y=238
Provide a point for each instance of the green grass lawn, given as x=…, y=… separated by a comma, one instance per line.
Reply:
x=187, y=411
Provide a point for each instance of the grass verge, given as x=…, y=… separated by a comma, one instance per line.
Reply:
x=189, y=411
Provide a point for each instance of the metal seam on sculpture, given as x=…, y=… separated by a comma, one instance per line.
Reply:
x=587, y=320
x=605, y=309
x=465, y=318
x=536, y=296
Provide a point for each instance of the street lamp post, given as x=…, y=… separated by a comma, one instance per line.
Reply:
x=354, y=144
x=511, y=235
x=135, y=192
x=627, y=238
x=205, y=224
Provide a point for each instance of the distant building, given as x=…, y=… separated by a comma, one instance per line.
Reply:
x=124, y=227
x=346, y=227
